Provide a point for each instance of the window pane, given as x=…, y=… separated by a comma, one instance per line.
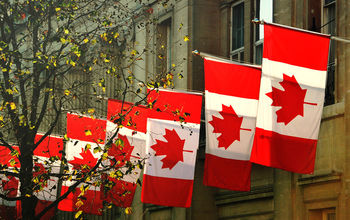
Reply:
x=238, y=26
x=330, y=86
x=258, y=53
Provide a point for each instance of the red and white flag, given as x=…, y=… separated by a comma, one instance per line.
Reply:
x=9, y=184
x=231, y=102
x=129, y=156
x=85, y=134
x=294, y=70
x=49, y=152
x=171, y=147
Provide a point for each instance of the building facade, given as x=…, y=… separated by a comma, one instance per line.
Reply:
x=224, y=28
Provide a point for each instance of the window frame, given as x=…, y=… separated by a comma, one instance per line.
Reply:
x=239, y=52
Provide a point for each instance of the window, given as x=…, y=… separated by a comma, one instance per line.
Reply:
x=329, y=27
x=263, y=11
x=314, y=15
x=237, y=33
x=164, y=39
x=322, y=214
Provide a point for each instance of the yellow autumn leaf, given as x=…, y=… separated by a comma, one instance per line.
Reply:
x=12, y=162
x=91, y=110
x=63, y=40
x=12, y=105
x=128, y=210
x=186, y=38
x=116, y=35
x=66, y=31
x=58, y=9
x=67, y=92
x=65, y=137
x=86, y=40
x=87, y=147
x=107, y=60
x=88, y=133
x=79, y=203
x=78, y=214
x=133, y=52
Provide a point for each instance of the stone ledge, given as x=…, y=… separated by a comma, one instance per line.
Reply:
x=319, y=177
x=255, y=193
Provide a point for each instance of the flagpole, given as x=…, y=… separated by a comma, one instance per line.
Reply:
x=217, y=58
x=262, y=22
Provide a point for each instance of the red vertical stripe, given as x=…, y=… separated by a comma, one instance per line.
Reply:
x=86, y=128
x=172, y=105
x=166, y=191
x=285, y=152
x=137, y=117
x=49, y=147
x=5, y=156
x=227, y=173
x=92, y=205
x=232, y=79
x=121, y=194
x=296, y=47
x=40, y=206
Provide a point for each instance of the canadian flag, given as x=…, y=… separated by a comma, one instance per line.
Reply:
x=85, y=134
x=294, y=70
x=127, y=157
x=49, y=152
x=231, y=102
x=9, y=184
x=172, y=143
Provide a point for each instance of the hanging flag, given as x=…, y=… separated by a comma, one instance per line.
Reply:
x=128, y=124
x=9, y=184
x=9, y=188
x=83, y=149
x=294, y=70
x=172, y=143
x=231, y=101
x=47, y=157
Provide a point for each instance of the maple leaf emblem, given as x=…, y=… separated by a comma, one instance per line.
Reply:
x=291, y=99
x=10, y=186
x=229, y=126
x=172, y=149
x=86, y=163
x=121, y=153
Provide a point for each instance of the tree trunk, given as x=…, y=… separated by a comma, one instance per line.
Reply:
x=29, y=201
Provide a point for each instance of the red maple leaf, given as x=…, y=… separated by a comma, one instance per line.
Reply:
x=121, y=153
x=86, y=163
x=291, y=99
x=229, y=126
x=172, y=149
x=10, y=186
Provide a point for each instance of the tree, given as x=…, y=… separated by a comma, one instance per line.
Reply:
x=58, y=56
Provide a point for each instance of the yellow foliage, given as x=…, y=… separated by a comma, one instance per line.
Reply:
x=88, y=133
x=186, y=38
x=128, y=210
